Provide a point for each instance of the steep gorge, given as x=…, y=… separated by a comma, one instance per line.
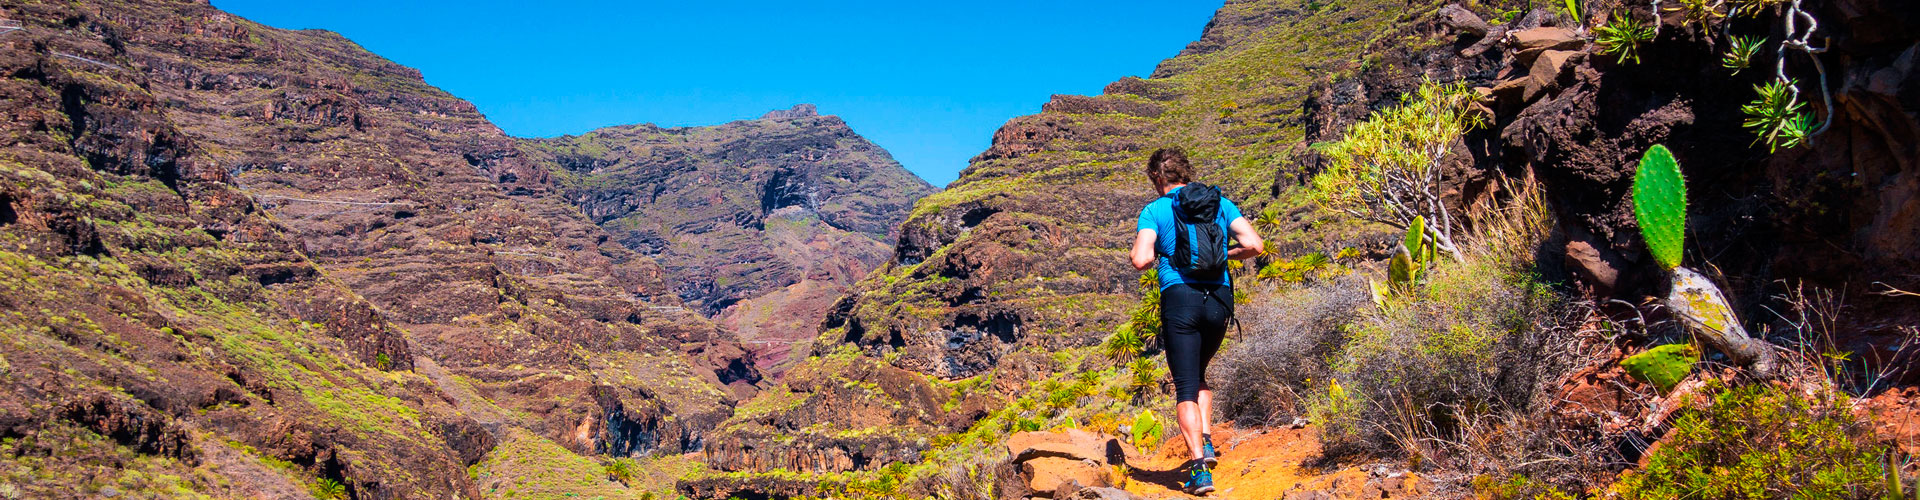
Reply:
x=247, y=262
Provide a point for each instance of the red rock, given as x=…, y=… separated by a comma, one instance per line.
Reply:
x=1048, y=474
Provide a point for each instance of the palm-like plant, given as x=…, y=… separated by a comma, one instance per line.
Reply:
x=328, y=489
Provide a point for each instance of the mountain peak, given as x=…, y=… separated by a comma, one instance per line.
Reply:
x=798, y=111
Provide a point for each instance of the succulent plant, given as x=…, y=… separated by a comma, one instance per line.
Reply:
x=1660, y=205
x=1146, y=429
x=1662, y=366
x=1409, y=262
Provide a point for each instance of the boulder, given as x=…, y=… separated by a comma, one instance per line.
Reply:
x=1545, y=73
x=1046, y=475
x=1463, y=20
x=1071, y=444
x=1528, y=43
x=1593, y=267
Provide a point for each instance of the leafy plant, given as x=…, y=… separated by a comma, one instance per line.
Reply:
x=1145, y=374
x=327, y=488
x=1622, y=36
x=1299, y=269
x=620, y=469
x=1412, y=260
x=1572, y=8
x=1268, y=219
x=1129, y=340
x=1701, y=13
x=1775, y=116
x=1753, y=8
x=1760, y=441
x=1660, y=205
x=1663, y=366
x=1387, y=168
x=381, y=361
x=1740, y=52
x=1146, y=429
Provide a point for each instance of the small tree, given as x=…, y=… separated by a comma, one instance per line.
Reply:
x=1387, y=168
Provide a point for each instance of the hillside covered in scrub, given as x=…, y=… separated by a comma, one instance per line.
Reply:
x=1515, y=250
x=1503, y=364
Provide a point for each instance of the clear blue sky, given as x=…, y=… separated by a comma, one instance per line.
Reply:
x=929, y=81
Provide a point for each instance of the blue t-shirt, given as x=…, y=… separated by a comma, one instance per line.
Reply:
x=1158, y=216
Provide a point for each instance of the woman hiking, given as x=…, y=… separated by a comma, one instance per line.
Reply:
x=1186, y=232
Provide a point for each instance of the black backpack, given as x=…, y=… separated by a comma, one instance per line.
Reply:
x=1196, y=209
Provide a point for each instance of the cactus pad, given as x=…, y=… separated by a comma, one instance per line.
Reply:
x=1146, y=430
x=1415, y=236
x=1660, y=205
x=1662, y=366
x=1403, y=270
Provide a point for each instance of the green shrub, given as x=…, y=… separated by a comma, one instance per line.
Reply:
x=328, y=489
x=1740, y=52
x=1516, y=487
x=1775, y=116
x=1622, y=36
x=1312, y=266
x=621, y=470
x=1130, y=339
x=1757, y=442
x=1386, y=169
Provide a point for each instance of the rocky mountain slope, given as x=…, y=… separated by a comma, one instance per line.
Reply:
x=762, y=223
x=247, y=260
x=1022, y=258
x=1003, y=285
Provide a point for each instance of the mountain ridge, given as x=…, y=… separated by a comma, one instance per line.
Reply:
x=762, y=223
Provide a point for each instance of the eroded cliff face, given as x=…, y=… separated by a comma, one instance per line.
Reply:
x=761, y=223
x=230, y=246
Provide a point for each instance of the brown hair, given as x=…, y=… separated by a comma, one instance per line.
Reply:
x=1169, y=166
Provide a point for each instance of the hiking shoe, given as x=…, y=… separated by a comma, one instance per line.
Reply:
x=1199, y=480
x=1207, y=453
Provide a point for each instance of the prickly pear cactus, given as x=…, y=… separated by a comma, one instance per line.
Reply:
x=1660, y=205
x=1662, y=366
x=1416, y=236
x=1408, y=262
x=1146, y=430
x=1400, y=270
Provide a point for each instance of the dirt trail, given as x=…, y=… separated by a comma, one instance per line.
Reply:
x=1260, y=463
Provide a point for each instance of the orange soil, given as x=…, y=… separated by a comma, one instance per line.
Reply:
x=1254, y=464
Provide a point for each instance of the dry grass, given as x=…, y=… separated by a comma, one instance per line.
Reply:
x=1451, y=375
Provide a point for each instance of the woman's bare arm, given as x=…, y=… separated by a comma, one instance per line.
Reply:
x=1143, y=254
x=1250, y=244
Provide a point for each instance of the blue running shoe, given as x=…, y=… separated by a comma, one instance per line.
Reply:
x=1207, y=453
x=1199, y=480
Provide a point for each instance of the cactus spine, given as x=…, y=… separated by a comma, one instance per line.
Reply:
x=1660, y=205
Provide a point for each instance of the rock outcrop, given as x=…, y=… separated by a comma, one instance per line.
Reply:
x=761, y=223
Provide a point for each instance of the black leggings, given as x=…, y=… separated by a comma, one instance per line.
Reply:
x=1193, y=321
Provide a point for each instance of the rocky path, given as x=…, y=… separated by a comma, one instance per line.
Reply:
x=1255, y=464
